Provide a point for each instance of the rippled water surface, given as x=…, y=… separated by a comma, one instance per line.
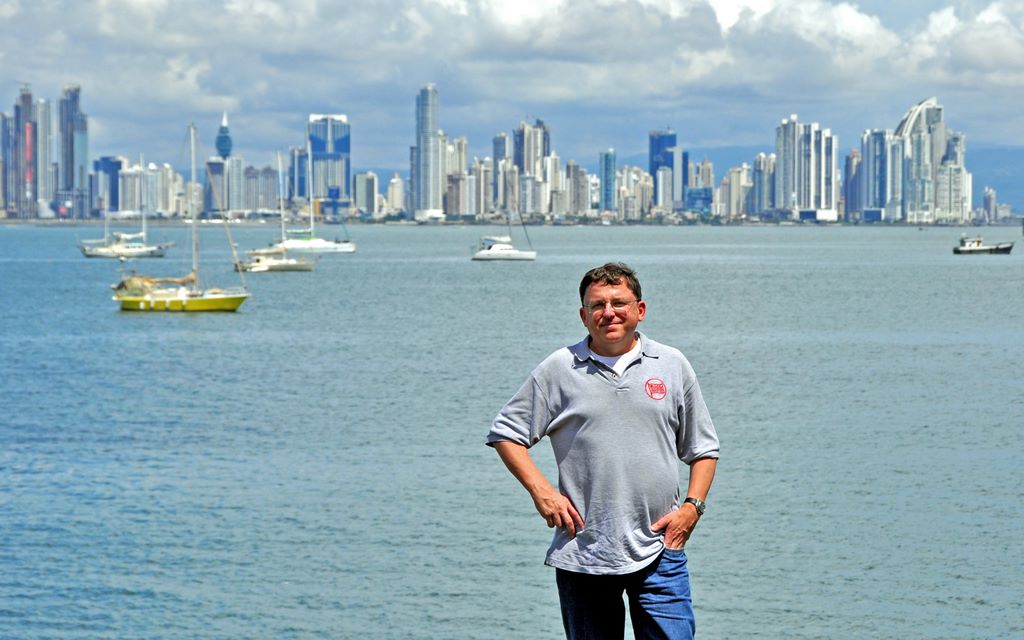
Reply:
x=314, y=466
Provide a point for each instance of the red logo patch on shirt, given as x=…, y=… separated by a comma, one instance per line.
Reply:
x=656, y=388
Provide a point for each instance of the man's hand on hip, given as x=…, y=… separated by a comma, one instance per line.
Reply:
x=677, y=525
x=558, y=511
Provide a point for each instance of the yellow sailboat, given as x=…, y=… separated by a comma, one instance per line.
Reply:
x=148, y=293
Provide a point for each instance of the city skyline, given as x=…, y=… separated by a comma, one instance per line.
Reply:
x=718, y=73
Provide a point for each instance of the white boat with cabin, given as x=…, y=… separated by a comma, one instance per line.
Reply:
x=501, y=248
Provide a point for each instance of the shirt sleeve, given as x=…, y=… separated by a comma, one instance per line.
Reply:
x=696, y=437
x=524, y=419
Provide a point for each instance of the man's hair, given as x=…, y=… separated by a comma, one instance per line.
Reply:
x=611, y=273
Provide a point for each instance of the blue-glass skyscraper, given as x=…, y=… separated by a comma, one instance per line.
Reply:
x=660, y=144
x=329, y=142
x=73, y=171
x=224, y=139
x=606, y=171
x=108, y=171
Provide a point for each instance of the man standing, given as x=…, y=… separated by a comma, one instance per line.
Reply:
x=620, y=410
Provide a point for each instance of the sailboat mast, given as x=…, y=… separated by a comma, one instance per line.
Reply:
x=309, y=182
x=143, y=192
x=192, y=206
x=280, y=195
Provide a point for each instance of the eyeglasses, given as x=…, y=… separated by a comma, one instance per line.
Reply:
x=618, y=306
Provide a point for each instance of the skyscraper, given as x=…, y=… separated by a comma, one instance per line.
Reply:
x=880, y=174
x=530, y=145
x=806, y=169
x=502, y=149
x=73, y=171
x=107, y=196
x=223, y=141
x=426, y=156
x=22, y=184
x=931, y=153
x=659, y=154
x=764, y=183
x=45, y=176
x=606, y=168
x=329, y=142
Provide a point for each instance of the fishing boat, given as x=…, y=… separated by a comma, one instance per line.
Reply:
x=972, y=246
x=305, y=240
x=501, y=247
x=185, y=294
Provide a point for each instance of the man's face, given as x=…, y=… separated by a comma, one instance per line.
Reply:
x=611, y=313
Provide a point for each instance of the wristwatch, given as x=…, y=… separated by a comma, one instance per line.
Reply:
x=698, y=504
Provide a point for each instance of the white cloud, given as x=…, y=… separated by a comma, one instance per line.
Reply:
x=609, y=70
x=9, y=9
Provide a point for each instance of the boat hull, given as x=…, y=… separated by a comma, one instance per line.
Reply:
x=505, y=255
x=1002, y=249
x=213, y=300
x=267, y=267
x=317, y=245
x=117, y=252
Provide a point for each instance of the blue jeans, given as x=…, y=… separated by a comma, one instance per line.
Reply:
x=660, y=606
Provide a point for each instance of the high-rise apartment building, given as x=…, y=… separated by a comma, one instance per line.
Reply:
x=763, y=179
x=73, y=170
x=396, y=193
x=806, y=170
x=426, y=157
x=502, y=149
x=365, y=193
x=530, y=145
x=20, y=135
x=851, y=184
x=236, y=184
x=915, y=173
x=45, y=168
x=606, y=172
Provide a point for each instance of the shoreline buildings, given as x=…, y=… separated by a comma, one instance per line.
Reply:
x=915, y=173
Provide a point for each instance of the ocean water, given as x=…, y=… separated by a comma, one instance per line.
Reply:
x=313, y=466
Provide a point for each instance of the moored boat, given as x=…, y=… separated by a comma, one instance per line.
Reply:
x=148, y=293
x=124, y=245
x=501, y=248
x=970, y=246
x=273, y=259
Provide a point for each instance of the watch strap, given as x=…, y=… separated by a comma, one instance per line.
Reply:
x=697, y=503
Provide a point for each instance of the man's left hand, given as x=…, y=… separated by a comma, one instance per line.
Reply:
x=677, y=525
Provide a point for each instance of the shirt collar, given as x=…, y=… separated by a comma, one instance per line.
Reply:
x=581, y=350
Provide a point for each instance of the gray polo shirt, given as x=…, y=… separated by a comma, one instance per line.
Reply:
x=617, y=441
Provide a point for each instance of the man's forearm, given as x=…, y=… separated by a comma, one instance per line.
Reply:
x=521, y=465
x=556, y=509
x=702, y=473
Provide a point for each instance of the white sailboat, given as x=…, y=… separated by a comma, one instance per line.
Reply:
x=501, y=247
x=123, y=245
x=147, y=293
x=275, y=258
x=305, y=240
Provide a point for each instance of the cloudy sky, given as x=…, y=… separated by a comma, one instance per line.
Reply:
x=601, y=73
